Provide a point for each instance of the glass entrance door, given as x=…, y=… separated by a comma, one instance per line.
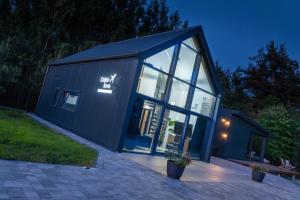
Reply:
x=142, y=126
x=171, y=131
x=194, y=136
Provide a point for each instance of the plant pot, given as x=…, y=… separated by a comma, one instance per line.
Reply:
x=258, y=176
x=174, y=171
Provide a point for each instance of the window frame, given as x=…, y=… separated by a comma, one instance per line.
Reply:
x=171, y=75
x=68, y=106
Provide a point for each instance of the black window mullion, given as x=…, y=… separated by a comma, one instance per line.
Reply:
x=166, y=96
x=171, y=72
x=193, y=82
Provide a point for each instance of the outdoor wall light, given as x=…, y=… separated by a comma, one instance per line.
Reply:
x=224, y=136
x=225, y=122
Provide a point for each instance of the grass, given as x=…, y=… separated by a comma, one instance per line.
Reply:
x=22, y=138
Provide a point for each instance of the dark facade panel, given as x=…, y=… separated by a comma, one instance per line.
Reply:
x=240, y=134
x=97, y=116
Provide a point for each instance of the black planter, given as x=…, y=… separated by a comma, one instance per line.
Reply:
x=258, y=176
x=174, y=171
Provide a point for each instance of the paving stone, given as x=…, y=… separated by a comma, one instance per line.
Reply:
x=118, y=176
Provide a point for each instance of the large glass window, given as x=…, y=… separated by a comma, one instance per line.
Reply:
x=179, y=92
x=185, y=63
x=171, y=131
x=194, y=136
x=203, y=103
x=142, y=126
x=152, y=83
x=203, y=80
x=191, y=43
x=161, y=60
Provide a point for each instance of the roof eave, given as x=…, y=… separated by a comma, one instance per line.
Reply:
x=124, y=56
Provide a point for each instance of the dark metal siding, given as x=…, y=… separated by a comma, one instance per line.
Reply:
x=239, y=134
x=98, y=117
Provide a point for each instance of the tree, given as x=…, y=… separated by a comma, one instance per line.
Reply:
x=282, y=143
x=234, y=91
x=36, y=32
x=273, y=73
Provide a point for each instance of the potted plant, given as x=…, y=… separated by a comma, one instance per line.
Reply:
x=176, y=163
x=258, y=173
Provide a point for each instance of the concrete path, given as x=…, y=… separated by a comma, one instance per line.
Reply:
x=127, y=176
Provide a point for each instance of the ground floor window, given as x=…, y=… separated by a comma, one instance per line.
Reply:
x=154, y=128
x=171, y=131
x=142, y=126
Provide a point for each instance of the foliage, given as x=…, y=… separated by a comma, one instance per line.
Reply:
x=269, y=90
x=277, y=119
x=273, y=73
x=21, y=138
x=259, y=168
x=179, y=159
x=271, y=77
x=36, y=32
x=296, y=129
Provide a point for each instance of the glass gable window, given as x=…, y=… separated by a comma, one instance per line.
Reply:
x=203, y=103
x=185, y=63
x=191, y=43
x=203, y=81
x=161, y=60
x=152, y=83
x=179, y=92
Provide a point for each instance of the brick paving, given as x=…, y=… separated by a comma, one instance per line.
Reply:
x=119, y=176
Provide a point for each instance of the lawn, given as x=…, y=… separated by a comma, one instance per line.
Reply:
x=22, y=138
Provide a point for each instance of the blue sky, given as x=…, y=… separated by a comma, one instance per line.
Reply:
x=236, y=29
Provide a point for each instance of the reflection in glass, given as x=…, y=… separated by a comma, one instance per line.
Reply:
x=179, y=92
x=152, y=83
x=171, y=131
x=185, y=64
x=142, y=126
x=194, y=136
x=203, y=81
x=203, y=103
x=161, y=60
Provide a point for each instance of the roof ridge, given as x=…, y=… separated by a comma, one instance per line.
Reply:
x=150, y=35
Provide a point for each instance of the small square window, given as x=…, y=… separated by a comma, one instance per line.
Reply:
x=71, y=99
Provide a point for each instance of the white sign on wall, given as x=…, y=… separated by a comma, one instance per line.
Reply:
x=107, y=83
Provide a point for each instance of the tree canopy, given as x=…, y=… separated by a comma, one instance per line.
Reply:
x=268, y=90
x=35, y=32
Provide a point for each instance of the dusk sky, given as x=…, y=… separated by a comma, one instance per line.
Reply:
x=236, y=29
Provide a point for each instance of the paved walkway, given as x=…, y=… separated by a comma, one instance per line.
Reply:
x=123, y=176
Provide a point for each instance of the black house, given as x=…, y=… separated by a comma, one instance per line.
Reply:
x=239, y=137
x=146, y=94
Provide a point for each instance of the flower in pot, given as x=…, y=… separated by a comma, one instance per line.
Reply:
x=258, y=173
x=176, y=163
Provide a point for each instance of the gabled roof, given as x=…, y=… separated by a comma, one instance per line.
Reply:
x=263, y=131
x=124, y=48
x=144, y=47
